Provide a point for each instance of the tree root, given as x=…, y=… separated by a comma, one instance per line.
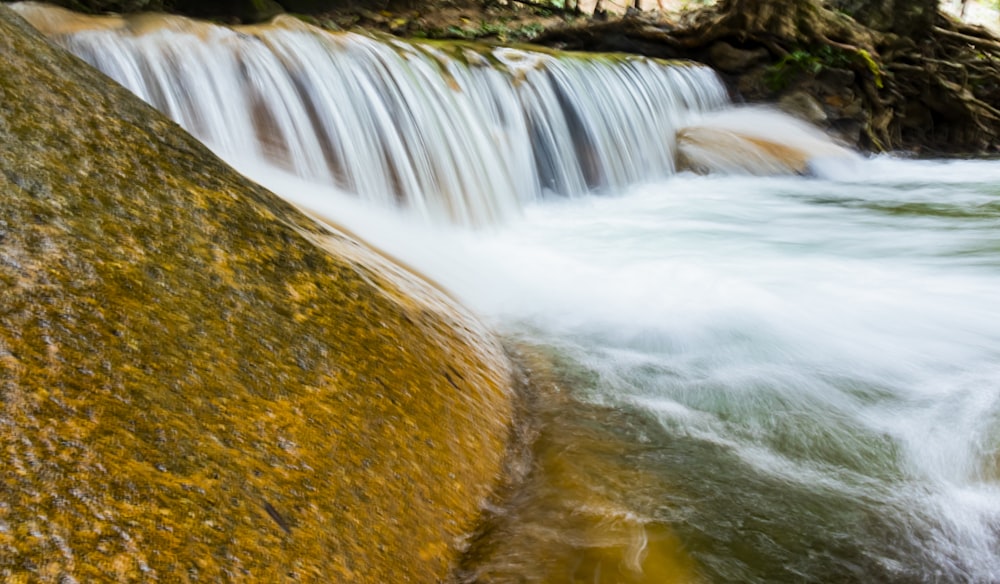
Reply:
x=976, y=41
x=939, y=94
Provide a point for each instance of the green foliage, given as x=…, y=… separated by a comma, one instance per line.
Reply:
x=873, y=67
x=528, y=31
x=794, y=63
x=812, y=62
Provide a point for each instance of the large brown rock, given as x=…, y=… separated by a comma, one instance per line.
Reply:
x=754, y=141
x=193, y=386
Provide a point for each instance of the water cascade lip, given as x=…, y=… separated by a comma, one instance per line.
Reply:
x=453, y=132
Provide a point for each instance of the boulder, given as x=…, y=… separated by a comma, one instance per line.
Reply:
x=200, y=384
x=755, y=141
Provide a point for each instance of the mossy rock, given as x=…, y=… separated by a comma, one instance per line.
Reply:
x=193, y=386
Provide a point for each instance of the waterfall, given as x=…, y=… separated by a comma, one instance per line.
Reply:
x=461, y=132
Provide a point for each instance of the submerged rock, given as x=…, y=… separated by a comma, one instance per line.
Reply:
x=193, y=386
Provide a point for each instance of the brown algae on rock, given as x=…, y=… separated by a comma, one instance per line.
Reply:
x=191, y=388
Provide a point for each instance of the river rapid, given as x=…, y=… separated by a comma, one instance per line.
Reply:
x=791, y=379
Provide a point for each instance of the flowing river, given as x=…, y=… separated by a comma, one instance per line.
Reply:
x=741, y=379
x=794, y=379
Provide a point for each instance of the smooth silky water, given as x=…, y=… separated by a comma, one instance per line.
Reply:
x=737, y=379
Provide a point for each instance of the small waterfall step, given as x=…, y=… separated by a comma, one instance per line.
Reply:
x=454, y=131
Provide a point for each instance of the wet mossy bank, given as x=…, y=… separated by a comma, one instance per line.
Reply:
x=192, y=386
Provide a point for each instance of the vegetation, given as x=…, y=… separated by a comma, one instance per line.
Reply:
x=485, y=30
x=801, y=61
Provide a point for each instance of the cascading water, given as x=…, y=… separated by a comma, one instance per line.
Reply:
x=751, y=379
x=450, y=131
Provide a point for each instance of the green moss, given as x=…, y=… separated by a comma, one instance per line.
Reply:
x=812, y=62
x=199, y=384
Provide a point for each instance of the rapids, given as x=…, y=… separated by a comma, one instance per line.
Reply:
x=755, y=379
x=798, y=379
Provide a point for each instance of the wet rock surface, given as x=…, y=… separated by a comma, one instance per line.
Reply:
x=194, y=388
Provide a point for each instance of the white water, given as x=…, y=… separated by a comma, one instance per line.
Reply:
x=836, y=342
x=818, y=360
x=458, y=132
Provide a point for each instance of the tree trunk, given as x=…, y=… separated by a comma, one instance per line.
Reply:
x=779, y=18
x=909, y=18
x=806, y=23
